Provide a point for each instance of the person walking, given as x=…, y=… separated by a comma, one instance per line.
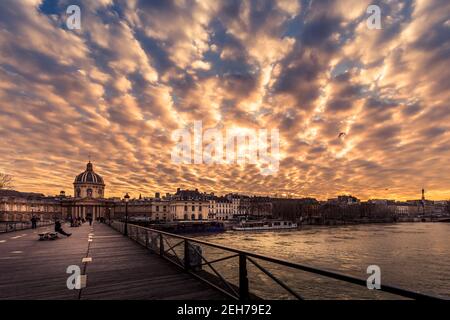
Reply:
x=89, y=218
x=33, y=222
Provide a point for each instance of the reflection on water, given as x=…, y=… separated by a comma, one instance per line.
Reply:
x=414, y=256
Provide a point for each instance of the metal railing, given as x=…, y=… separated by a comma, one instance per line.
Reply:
x=187, y=254
x=11, y=226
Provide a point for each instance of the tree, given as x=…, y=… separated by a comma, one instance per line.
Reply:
x=5, y=181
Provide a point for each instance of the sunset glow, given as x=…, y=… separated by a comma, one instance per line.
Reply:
x=115, y=91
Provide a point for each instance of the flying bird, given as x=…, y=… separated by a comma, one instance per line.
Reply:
x=342, y=135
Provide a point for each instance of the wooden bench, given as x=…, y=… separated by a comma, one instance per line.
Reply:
x=48, y=236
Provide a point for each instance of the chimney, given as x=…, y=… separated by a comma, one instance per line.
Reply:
x=157, y=195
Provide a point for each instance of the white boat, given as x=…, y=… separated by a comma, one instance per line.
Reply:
x=265, y=225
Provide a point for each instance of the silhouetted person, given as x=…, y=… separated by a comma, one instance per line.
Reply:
x=33, y=222
x=58, y=228
x=89, y=218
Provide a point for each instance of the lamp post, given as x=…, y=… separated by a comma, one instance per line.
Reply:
x=108, y=214
x=126, y=198
x=61, y=203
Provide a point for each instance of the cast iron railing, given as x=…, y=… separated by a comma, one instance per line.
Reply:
x=187, y=254
x=11, y=226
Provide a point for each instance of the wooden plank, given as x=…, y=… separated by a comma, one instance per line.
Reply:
x=40, y=271
x=123, y=269
x=120, y=268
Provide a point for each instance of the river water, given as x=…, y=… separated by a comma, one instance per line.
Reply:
x=413, y=256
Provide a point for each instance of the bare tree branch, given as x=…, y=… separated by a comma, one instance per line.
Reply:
x=5, y=181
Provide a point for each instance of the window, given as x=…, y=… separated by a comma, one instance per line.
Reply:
x=200, y=208
x=193, y=208
x=185, y=208
x=193, y=217
x=157, y=208
x=200, y=217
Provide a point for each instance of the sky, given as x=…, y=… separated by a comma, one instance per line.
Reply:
x=136, y=71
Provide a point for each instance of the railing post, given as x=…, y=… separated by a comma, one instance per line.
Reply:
x=186, y=255
x=243, y=279
x=161, y=245
x=146, y=238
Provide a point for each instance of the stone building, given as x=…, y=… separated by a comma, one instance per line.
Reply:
x=190, y=205
x=224, y=208
x=21, y=206
x=148, y=209
x=88, y=200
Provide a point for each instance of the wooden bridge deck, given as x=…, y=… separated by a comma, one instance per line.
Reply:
x=120, y=268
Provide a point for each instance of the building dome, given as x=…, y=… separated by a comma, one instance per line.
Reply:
x=89, y=184
x=89, y=176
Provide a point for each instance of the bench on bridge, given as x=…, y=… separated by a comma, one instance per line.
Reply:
x=48, y=236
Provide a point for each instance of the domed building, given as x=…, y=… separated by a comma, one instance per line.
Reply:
x=88, y=201
x=88, y=196
x=89, y=184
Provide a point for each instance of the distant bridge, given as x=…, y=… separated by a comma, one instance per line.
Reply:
x=442, y=219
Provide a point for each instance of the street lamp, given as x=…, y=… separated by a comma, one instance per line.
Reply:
x=126, y=198
x=108, y=214
x=61, y=203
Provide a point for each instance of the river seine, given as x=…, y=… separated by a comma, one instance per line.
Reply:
x=413, y=256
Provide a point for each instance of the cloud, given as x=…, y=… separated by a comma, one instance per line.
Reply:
x=137, y=70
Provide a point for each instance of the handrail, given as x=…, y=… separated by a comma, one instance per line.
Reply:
x=318, y=271
x=8, y=225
